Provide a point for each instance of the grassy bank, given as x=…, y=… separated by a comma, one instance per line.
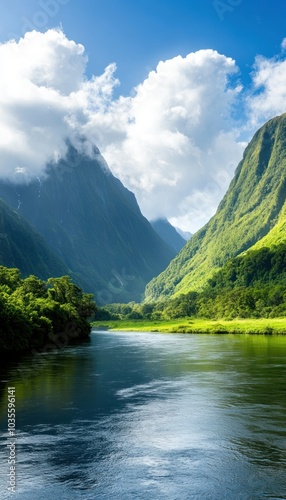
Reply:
x=189, y=325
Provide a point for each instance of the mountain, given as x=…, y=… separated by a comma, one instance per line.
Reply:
x=249, y=211
x=169, y=234
x=94, y=225
x=21, y=246
x=185, y=234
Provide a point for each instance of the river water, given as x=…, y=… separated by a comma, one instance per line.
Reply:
x=149, y=416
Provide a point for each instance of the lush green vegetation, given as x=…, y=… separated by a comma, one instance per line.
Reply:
x=252, y=285
x=194, y=325
x=234, y=267
x=36, y=314
x=276, y=235
x=239, y=302
x=248, y=212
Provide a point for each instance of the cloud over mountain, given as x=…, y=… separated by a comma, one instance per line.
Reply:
x=180, y=148
x=174, y=141
x=44, y=100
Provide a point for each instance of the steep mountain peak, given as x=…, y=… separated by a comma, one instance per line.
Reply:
x=93, y=223
x=168, y=233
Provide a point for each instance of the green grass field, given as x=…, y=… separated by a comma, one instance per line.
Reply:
x=189, y=325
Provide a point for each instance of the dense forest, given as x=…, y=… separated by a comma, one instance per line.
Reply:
x=36, y=314
x=252, y=285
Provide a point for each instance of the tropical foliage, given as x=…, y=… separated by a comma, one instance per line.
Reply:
x=252, y=285
x=35, y=312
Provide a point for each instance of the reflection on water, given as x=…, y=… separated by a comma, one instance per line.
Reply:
x=146, y=416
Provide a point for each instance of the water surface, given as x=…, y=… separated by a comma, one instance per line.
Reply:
x=150, y=416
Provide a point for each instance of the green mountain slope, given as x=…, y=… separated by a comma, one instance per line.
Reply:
x=22, y=246
x=276, y=235
x=247, y=213
x=94, y=225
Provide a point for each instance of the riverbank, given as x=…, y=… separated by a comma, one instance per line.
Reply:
x=194, y=325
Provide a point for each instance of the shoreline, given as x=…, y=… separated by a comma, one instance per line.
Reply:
x=262, y=326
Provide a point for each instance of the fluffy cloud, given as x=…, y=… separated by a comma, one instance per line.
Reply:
x=180, y=146
x=173, y=141
x=268, y=96
x=44, y=100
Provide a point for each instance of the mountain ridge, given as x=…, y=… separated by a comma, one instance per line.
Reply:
x=168, y=233
x=248, y=211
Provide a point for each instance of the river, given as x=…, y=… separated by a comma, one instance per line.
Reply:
x=149, y=416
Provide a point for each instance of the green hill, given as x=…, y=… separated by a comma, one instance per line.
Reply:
x=252, y=209
x=276, y=235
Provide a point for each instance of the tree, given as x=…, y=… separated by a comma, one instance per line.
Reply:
x=31, y=310
x=10, y=277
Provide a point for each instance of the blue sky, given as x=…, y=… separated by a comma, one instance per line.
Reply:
x=137, y=34
x=172, y=132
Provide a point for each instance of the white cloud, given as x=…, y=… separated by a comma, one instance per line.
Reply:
x=44, y=99
x=268, y=97
x=179, y=140
x=173, y=142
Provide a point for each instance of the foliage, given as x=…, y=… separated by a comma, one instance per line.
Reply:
x=32, y=311
x=197, y=325
x=252, y=285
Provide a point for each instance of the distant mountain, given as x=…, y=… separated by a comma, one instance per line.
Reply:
x=169, y=234
x=252, y=209
x=185, y=234
x=94, y=225
x=22, y=246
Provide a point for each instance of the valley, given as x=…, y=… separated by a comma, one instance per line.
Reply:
x=143, y=250
x=80, y=221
